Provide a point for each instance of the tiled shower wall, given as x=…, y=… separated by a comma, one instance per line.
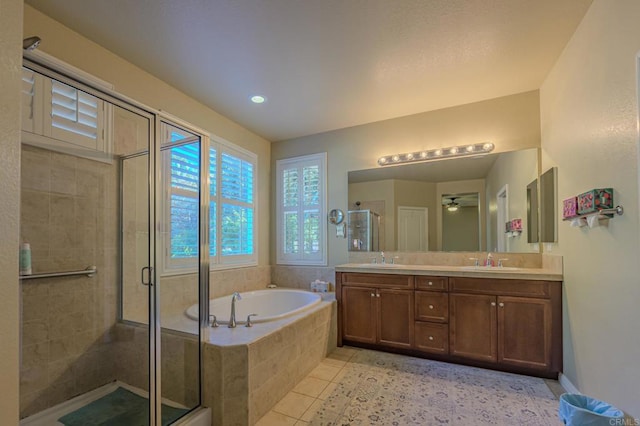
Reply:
x=69, y=216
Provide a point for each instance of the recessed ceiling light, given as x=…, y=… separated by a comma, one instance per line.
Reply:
x=257, y=99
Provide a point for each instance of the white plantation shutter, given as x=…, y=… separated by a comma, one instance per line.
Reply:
x=184, y=204
x=75, y=117
x=232, y=220
x=237, y=207
x=301, y=200
x=62, y=118
x=28, y=101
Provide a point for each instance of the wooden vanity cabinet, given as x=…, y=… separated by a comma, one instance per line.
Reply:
x=376, y=309
x=507, y=324
x=431, y=333
x=510, y=322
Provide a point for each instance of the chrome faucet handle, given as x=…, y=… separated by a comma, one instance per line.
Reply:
x=500, y=265
x=213, y=321
x=382, y=259
x=393, y=259
x=249, y=323
x=476, y=261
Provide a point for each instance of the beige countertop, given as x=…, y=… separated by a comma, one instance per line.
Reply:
x=454, y=271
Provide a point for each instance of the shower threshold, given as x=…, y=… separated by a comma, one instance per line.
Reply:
x=51, y=415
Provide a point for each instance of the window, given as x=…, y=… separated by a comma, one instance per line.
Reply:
x=301, y=200
x=232, y=224
x=60, y=117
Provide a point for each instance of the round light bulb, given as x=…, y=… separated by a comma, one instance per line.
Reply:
x=382, y=160
x=487, y=146
x=423, y=154
x=437, y=152
x=453, y=150
x=470, y=148
x=409, y=156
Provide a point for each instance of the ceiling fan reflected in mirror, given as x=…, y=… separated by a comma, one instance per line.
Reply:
x=453, y=206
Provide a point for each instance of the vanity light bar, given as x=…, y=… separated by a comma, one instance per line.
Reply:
x=437, y=154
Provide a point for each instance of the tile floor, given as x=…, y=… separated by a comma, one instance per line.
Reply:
x=301, y=406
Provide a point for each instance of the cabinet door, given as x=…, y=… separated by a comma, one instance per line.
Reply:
x=524, y=332
x=395, y=319
x=472, y=326
x=359, y=314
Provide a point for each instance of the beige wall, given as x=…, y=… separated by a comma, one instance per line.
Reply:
x=10, y=42
x=463, y=187
x=61, y=42
x=511, y=122
x=589, y=117
x=517, y=170
x=460, y=229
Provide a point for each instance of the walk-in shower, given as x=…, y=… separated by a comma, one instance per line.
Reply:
x=101, y=180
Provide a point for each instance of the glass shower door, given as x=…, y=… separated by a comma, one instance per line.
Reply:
x=181, y=256
x=135, y=330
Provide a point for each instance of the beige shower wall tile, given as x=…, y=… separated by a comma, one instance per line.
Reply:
x=33, y=332
x=35, y=355
x=35, y=169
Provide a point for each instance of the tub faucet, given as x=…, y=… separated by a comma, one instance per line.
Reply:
x=232, y=320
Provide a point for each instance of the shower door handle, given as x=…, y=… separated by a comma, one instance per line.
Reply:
x=146, y=278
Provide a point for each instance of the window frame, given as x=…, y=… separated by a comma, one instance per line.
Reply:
x=282, y=258
x=217, y=261
x=37, y=129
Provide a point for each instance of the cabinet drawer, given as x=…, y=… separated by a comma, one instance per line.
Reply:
x=430, y=337
x=378, y=280
x=432, y=306
x=432, y=283
x=500, y=287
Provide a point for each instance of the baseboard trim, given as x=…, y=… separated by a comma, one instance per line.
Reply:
x=567, y=385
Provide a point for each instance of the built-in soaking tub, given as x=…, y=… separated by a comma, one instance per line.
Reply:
x=247, y=370
x=268, y=305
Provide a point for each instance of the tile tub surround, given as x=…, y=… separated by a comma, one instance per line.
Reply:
x=357, y=386
x=300, y=277
x=248, y=370
x=178, y=292
x=179, y=361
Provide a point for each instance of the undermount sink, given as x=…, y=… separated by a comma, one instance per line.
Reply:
x=491, y=268
x=379, y=265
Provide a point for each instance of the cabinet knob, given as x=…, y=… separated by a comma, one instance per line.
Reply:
x=430, y=306
x=377, y=294
x=501, y=304
x=373, y=295
x=430, y=283
x=493, y=303
x=430, y=337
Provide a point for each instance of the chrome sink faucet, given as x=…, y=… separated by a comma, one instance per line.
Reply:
x=382, y=258
x=232, y=320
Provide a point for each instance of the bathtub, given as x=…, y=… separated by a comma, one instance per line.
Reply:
x=269, y=305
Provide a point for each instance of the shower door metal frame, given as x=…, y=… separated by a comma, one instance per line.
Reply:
x=203, y=236
x=37, y=64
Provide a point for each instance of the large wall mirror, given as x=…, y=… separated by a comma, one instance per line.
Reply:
x=458, y=204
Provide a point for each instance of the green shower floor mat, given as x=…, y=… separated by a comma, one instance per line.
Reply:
x=119, y=408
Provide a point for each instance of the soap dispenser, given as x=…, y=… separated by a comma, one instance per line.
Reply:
x=25, y=259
